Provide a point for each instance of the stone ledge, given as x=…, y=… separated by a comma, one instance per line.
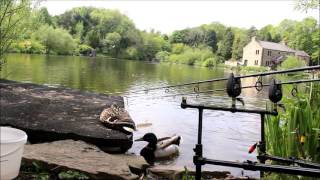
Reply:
x=56, y=113
x=82, y=157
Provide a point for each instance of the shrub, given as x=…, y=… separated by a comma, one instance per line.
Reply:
x=206, y=53
x=292, y=62
x=162, y=56
x=27, y=46
x=190, y=57
x=133, y=53
x=55, y=40
x=174, y=58
x=184, y=54
x=210, y=62
x=84, y=49
x=179, y=48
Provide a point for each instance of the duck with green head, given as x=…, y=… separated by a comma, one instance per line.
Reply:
x=157, y=149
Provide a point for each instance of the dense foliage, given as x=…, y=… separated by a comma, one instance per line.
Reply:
x=12, y=13
x=295, y=132
x=83, y=30
x=292, y=62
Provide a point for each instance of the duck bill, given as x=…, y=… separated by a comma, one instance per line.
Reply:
x=140, y=139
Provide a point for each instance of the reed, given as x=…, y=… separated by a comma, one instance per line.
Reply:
x=295, y=132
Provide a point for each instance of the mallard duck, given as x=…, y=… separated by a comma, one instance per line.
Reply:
x=117, y=118
x=163, y=148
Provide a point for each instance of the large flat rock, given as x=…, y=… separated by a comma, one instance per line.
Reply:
x=82, y=157
x=176, y=173
x=50, y=113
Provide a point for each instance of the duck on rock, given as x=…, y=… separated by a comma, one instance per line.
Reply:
x=157, y=149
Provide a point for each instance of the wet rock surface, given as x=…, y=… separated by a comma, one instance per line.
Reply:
x=77, y=156
x=82, y=157
x=49, y=113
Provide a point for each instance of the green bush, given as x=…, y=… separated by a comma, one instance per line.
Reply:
x=55, y=40
x=132, y=53
x=206, y=54
x=179, y=48
x=162, y=56
x=210, y=62
x=184, y=54
x=292, y=62
x=190, y=57
x=174, y=58
x=27, y=46
x=84, y=49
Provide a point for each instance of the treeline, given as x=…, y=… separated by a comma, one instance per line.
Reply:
x=108, y=32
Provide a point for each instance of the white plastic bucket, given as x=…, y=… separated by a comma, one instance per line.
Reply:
x=11, y=149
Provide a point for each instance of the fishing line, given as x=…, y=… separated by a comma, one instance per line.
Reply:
x=224, y=89
x=226, y=78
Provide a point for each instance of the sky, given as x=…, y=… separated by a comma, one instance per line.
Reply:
x=169, y=15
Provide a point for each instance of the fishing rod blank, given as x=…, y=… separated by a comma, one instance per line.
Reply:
x=244, y=87
x=225, y=79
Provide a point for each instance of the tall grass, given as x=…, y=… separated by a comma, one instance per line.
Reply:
x=295, y=132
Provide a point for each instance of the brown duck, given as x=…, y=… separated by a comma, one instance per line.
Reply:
x=117, y=118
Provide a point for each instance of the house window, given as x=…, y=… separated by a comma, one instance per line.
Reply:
x=255, y=62
x=279, y=52
x=257, y=51
x=269, y=53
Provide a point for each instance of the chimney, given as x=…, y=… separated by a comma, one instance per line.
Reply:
x=253, y=38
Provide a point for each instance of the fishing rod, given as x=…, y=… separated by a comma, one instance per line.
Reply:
x=225, y=78
x=258, y=86
x=275, y=94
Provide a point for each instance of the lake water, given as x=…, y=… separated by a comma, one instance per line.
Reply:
x=226, y=136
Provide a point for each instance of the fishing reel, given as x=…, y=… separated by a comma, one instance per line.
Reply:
x=234, y=89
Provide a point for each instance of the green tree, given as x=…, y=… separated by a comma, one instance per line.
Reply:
x=301, y=37
x=305, y=5
x=217, y=27
x=265, y=33
x=44, y=16
x=92, y=38
x=79, y=30
x=252, y=31
x=111, y=44
x=12, y=24
x=316, y=46
x=210, y=39
x=240, y=40
x=285, y=28
x=225, y=47
x=194, y=37
x=152, y=43
x=177, y=37
x=56, y=41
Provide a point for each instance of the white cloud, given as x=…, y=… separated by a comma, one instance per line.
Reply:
x=167, y=16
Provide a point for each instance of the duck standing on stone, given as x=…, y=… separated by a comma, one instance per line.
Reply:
x=117, y=118
x=157, y=149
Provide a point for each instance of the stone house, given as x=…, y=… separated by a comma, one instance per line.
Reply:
x=263, y=53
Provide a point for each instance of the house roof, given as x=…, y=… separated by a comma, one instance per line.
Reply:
x=301, y=53
x=275, y=46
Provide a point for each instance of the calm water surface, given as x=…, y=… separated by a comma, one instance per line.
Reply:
x=226, y=136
